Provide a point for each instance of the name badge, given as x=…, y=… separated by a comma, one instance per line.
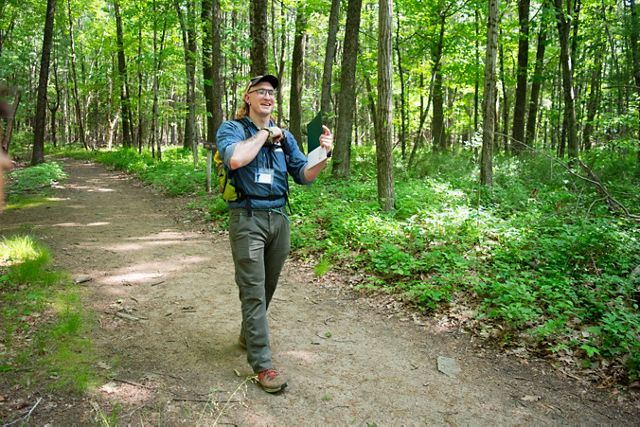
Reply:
x=264, y=176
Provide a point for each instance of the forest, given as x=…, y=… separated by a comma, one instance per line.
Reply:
x=487, y=153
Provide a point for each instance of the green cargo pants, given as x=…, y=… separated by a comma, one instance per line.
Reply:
x=260, y=244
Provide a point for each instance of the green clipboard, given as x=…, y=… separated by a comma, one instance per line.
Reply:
x=314, y=130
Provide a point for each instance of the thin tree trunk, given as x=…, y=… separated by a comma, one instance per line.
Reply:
x=564, y=28
x=489, y=101
x=437, y=121
x=41, y=106
x=505, y=100
x=53, y=107
x=206, y=20
x=297, y=75
x=124, y=88
x=520, y=101
x=187, y=24
x=139, y=60
x=403, y=108
x=329, y=58
x=635, y=55
x=216, y=66
x=74, y=78
x=536, y=84
x=594, y=97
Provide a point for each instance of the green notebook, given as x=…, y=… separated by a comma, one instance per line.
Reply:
x=314, y=130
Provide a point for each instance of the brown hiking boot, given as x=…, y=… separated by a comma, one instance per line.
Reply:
x=271, y=381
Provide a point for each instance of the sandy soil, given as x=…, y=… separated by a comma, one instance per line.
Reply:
x=167, y=320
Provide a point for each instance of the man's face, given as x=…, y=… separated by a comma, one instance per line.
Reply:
x=261, y=99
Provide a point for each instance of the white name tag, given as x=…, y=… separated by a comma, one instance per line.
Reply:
x=264, y=176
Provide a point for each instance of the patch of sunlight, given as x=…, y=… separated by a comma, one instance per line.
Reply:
x=25, y=203
x=78, y=224
x=303, y=356
x=92, y=189
x=19, y=249
x=151, y=271
x=126, y=393
x=445, y=189
x=124, y=247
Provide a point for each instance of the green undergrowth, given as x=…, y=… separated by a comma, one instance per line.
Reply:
x=538, y=256
x=44, y=324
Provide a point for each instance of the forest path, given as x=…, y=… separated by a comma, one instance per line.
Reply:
x=168, y=317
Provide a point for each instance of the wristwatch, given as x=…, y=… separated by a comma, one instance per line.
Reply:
x=270, y=132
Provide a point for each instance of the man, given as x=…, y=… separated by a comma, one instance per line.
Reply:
x=259, y=156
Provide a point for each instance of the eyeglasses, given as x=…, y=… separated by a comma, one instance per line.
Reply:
x=264, y=92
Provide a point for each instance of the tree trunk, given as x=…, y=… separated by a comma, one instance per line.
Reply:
x=564, y=29
x=259, y=38
x=384, y=143
x=187, y=26
x=124, y=87
x=279, y=54
x=594, y=97
x=519, y=108
x=635, y=55
x=53, y=107
x=489, y=101
x=476, y=86
x=536, y=84
x=74, y=78
x=504, y=106
x=346, y=99
x=206, y=18
x=403, y=95
x=216, y=67
x=329, y=58
x=37, y=156
x=297, y=75
x=437, y=121
x=157, y=65
x=139, y=60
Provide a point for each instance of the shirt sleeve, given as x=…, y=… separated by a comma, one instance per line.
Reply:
x=297, y=161
x=229, y=134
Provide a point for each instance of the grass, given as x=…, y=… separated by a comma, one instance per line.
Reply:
x=537, y=256
x=44, y=324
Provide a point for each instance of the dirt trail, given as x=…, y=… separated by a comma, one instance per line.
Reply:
x=348, y=362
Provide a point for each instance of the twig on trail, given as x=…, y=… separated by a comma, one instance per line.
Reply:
x=340, y=406
x=195, y=399
x=327, y=320
x=243, y=383
x=158, y=283
x=339, y=340
x=24, y=417
x=177, y=377
x=135, y=384
x=128, y=316
x=320, y=336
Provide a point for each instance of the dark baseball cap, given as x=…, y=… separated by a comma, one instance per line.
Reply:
x=266, y=78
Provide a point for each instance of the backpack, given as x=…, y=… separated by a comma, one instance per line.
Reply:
x=229, y=191
x=225, y=184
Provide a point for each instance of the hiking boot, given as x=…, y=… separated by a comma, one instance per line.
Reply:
x=242, y=342
x=271, y=381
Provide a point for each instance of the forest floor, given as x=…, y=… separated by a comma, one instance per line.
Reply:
x=167, y=318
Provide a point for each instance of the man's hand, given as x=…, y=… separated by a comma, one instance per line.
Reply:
x=276, y=134
x=326, y=139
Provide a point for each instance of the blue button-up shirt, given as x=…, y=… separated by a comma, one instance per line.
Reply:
x=230, y=133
